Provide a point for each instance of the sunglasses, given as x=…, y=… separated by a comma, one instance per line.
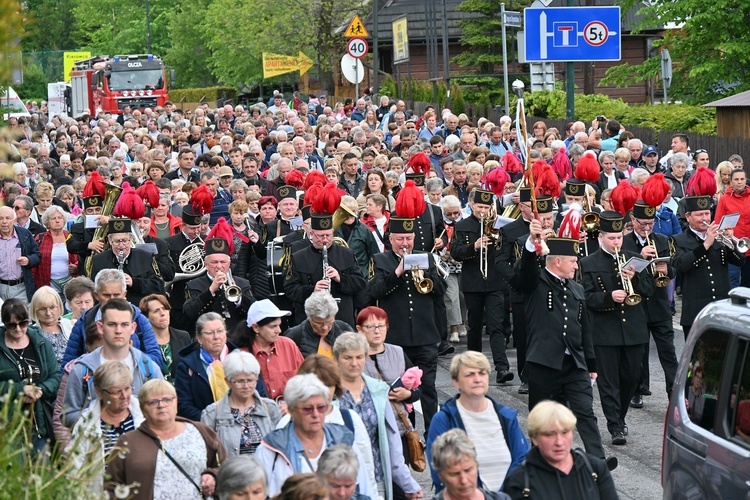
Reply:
x=12, y=326
x=309, y=410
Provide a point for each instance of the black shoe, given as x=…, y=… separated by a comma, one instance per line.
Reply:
x=523, y=388
x=504, y=376
x=618, y=439
x=625, y=430
x=445, y=348
x=611, y=463
x=644, y=392
x=636, y=401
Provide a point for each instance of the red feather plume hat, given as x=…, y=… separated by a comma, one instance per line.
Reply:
x=655, y=190
x=129, y=204
x=313, y=177
x=419, y=163
x=587, y=169
x=202, y=200
x=623, y=197
x=496, y=179
x=410, y=202
x=702, y=183
x=329, y=200
x=511, y=163
x=547, y=182
x=94, y=186
x=223, y=230
x=295, y=178
x=149, y=193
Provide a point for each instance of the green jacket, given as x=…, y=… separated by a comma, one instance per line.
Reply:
x=49, y=381
x=362, y=243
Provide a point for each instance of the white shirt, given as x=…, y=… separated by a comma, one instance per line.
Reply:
x=486, y=432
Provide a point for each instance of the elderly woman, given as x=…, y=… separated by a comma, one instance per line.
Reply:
x=46, y=311
x=328, y=372
x=279, y=357
x=303, y=487
x=57, y=265
x=319, y=331
x=455, y=460
x=374, y=184
x=111, y=415
x=386, y=362
x=171, y=340
x=150, y=454
x=609, y=177
x=678, y=175
x=79, y=297
x=369, y=398
x=28, y=369
x=242, y=417
x=200, y=375
x=163, y=223
x=338, y=467
x=297, y=446
x=241, y=478
x=553, y=469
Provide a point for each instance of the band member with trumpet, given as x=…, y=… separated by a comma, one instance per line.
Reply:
x=186, y=250
x=737, y=201
x=410, y=302
x=475, y=245
x=702, y=261
x=513, y=237
x=575, y=192
x=613, y=295
x=561, y=362
x=139, y=266
x=651, y=245
x=217, y=290
x=323, y=265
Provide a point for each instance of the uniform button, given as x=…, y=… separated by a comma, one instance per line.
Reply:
x=624, y=320
x=711, y=275
x=565, y=296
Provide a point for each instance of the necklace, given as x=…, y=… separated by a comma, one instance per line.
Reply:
x=161, y=226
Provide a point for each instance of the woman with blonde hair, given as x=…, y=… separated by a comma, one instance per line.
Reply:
x=46, y=310
x=723, y=176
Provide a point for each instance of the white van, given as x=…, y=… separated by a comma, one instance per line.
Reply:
x=11, y=105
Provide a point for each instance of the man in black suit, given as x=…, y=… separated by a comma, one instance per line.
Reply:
x=409, y=310
x=213, y=291
x=560, y=352
x=701, y=260
x=186, y=164
x=305, y=272
x=139, y=266
x=513, y=238
x=192, y=261
x=163, y=259
x=651, y=245
x=620, y=321
x=483, y=293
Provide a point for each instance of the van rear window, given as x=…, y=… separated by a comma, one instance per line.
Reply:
x=738, y=413
x=704, y=377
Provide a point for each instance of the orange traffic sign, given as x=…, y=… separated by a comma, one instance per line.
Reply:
x=356, y=29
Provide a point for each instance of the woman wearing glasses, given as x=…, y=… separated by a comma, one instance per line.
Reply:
x=242, y=417
x=297, y=447
x=166, y=456
x=112, y=414
x=199, y=379
x=320, y=329
x=28, y=369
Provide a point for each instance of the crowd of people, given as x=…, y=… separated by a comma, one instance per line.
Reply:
x=249, y=301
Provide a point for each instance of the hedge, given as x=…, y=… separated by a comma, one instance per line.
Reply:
x=207, y=94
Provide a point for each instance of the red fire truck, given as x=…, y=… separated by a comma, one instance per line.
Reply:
x=111, y=83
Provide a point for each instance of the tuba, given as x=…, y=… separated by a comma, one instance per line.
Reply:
x=340, y=215
x=632, y=299
x=111, y=194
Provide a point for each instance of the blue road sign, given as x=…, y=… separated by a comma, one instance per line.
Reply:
x=566, y=34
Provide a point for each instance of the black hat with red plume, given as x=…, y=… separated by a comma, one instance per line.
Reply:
x=129, y=204
x=410, y=202
x=149, y=192
x=220, y=239
x=623, y=197
x=419, y=163
x=587, y=168
x=202, y=200
x=94, y=191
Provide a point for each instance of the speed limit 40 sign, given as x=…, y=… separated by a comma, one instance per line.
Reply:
x=357, y=47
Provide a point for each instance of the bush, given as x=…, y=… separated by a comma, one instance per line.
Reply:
x=683, y=117
x=208, y=94
x=34, y=83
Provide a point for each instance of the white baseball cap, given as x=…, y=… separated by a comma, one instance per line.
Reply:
x=263, y=309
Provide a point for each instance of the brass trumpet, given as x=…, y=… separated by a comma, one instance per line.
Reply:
x=632, y=298
x=422, y=284
x=589, y=219
x=741, y=245
x=232, y=291
x=488, y=230
x=660, y=279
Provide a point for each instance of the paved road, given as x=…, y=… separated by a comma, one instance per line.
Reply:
x=638, y=475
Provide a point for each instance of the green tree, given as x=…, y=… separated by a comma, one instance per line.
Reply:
x=710, y=49
x=11, y=32
x=51, y=26
x=189, y=54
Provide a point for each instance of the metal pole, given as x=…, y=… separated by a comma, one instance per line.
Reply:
x=375, y=55
x=148, y=27
x=505, y=59
x=570, y=85
x=446, y=58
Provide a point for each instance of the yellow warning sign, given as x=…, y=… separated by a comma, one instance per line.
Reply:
x=69, y=59
x=356, y=29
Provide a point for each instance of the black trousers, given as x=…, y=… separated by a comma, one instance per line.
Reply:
x=686, y=330
x=519, y=337
x=663, y=335
x=487, y=307
x=618, y=368
x=441, y=318
x=425, y=357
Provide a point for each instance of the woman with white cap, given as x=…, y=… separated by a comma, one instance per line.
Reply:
x=279, y=357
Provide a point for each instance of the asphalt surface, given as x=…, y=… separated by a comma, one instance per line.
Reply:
x=638, y=475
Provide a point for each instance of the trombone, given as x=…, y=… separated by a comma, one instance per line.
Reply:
x=660, y=279
x=632, y=298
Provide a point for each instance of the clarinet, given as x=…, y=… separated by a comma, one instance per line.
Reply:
x=325, y=266
x=120, y=260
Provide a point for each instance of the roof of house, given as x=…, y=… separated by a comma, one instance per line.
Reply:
x=733, y=101
x=416, y=10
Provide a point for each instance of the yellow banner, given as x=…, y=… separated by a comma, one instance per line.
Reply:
x=279, y=64
x=400, y=40
x=69, y=60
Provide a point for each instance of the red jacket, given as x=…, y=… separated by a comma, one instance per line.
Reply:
x=175, y=225
x=42, y=272
x=733, y=203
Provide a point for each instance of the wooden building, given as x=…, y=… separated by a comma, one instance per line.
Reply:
x=732, y=115
x=635, y=47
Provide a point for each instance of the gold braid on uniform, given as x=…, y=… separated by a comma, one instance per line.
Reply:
x=155, y=266
x=286, y=256
x=672, y=249
x=519, y=251
x=287, y=262
x=371, y=270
